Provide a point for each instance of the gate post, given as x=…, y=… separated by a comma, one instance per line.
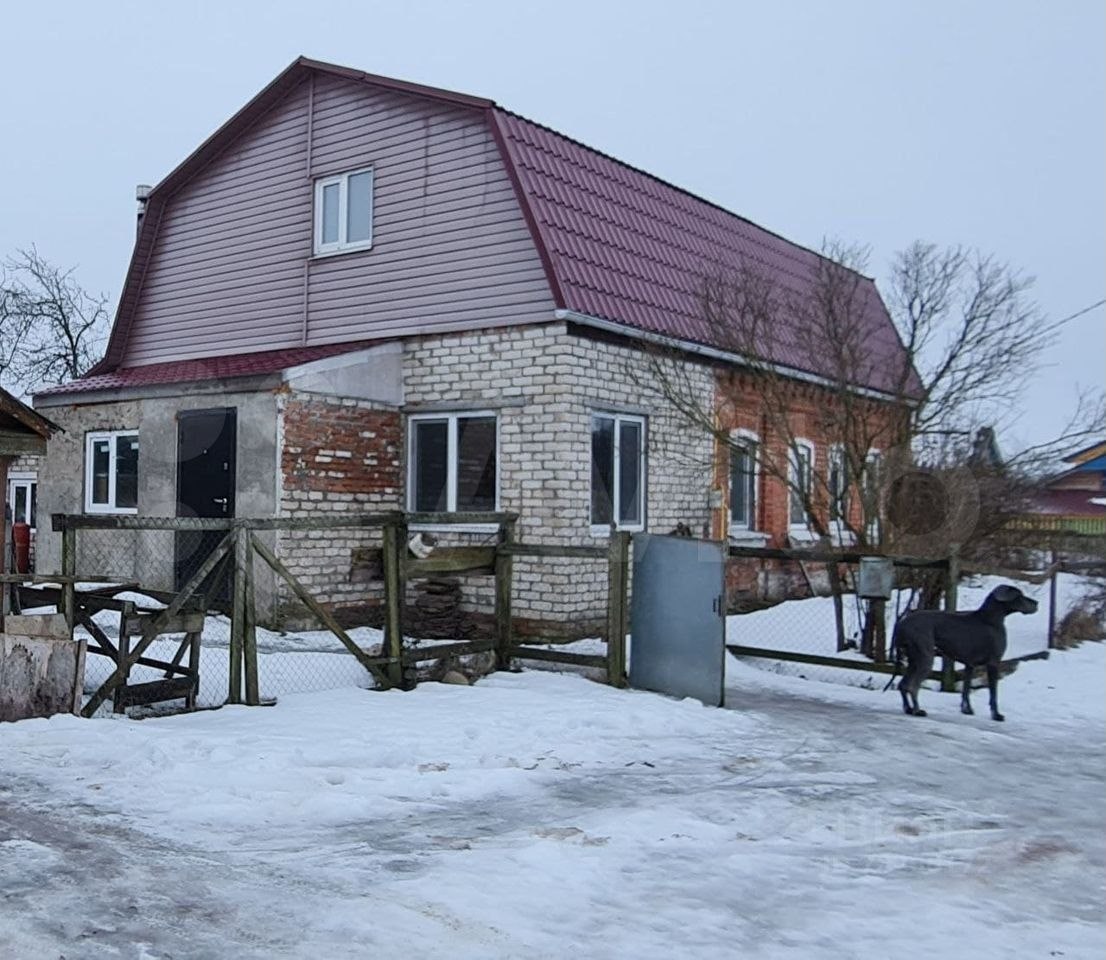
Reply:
x=618, y=580
x=238, y=612
x=395, y=544
x=68, y=571
x=504, y=584
x=952, y=581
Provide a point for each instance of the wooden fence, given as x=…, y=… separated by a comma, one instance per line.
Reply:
x=950, y=568
x=233, y=556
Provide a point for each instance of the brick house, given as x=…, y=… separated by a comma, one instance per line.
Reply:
x=364, y=293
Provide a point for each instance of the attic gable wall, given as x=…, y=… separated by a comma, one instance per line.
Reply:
x=232, y=267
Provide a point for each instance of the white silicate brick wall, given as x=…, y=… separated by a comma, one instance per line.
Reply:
x=545, y=383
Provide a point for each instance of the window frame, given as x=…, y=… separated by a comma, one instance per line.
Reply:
x=792, y=468
x=451, y=417
x=342, y=245
x=737, y=437
x=874, y=531
x=839, y=502
x=604, y=529
x=111, y=436
x=28, y=480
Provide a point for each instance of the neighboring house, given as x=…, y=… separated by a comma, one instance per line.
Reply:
x=23, y=436
x=365, y=293
x=1074, y=501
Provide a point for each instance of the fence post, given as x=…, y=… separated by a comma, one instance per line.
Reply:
x=119, y=694
x=952, y=581
x=395, y=543
x=504, y=584
x=238, y=613
x=69, y=570
x=618, y=579
x=249, y=619
x=1052, y=600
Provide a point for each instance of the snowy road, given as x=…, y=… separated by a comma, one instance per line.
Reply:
x=537, y=815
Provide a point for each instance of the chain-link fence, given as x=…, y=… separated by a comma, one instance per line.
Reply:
x=799, y=613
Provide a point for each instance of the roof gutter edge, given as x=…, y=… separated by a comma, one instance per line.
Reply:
x=714, y=353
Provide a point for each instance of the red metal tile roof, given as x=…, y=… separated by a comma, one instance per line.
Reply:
x=208, y=368
x=618, y=244
x=626, y=247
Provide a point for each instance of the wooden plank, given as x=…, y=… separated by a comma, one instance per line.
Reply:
x=454, y=560
x=237, y=616
x=618, y=580
x=69, y=570
x=154, y=691
x=324, y=616
x=119, y=703
x=129, y=522
x=816, y=555
x=504, y=590
x=555, y=550
x=191, y=622
x=952, y=584
x=194, y=640
x=395, y=549
x=817, y=660
x=249, y=619
x=150, y=630
x=560, y=656
x=462, y=648
x=428, y=519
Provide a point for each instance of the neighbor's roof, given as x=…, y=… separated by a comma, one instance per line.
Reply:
x=1070, y=503
x=14, y=412
x=618, y=244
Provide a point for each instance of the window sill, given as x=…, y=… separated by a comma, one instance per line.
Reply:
x=111, y=511
x=327, y=254
x=604, y=530
x=802, y=535
x=454, y=528
x=748, y=538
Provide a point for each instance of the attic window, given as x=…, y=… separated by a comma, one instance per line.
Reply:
x=344, y=212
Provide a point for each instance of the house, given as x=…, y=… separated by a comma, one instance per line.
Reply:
x=363, y=293
x=1074, y=501
x=23, y=436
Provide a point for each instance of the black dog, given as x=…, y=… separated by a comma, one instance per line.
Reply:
x=974, y=639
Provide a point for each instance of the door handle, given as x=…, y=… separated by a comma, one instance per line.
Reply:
x=222, y=500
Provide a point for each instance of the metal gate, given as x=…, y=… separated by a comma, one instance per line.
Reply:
x=677, y=617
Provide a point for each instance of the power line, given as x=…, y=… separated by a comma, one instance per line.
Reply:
x=1079, y=313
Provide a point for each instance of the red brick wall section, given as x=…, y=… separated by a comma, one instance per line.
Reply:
x=341, y=451
x=337, y=456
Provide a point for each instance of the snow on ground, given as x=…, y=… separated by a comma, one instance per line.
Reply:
x=541, y=815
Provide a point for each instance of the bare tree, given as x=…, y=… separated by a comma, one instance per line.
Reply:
x=51, y=329
x=970, y=336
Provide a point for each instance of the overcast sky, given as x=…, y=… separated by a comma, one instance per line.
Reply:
x=978, y=123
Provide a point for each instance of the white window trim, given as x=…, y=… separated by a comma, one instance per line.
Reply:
x=745, y=531
x=20, y=479
x=341, y=245
x=874, y=531
x=602, y=529
x=838, y=527
x=799, y=529
x=451, y=416
x=90, y=438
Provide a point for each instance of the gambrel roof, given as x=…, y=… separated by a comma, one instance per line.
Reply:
x=618, y=245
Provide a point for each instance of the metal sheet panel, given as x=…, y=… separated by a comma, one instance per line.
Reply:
x=677, y=620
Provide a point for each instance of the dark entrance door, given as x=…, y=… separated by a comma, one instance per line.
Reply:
x=205, y=488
